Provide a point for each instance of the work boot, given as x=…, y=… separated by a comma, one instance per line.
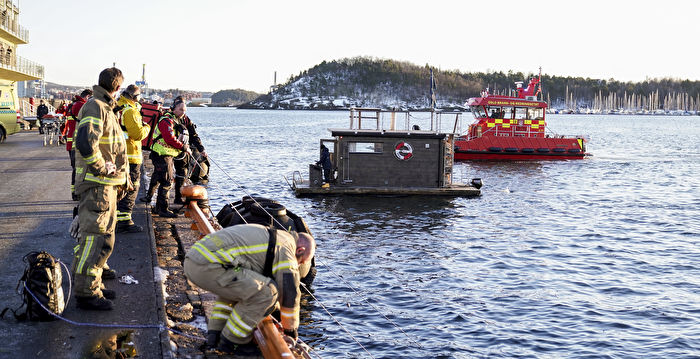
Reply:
x=94, y=303
x=228, y=347
x=126, y=227
x=162, y=203
x=166, y=213
x=149, y=193
x=179, y=182
x=109, y=294
x=108, y=273
x=213, y=338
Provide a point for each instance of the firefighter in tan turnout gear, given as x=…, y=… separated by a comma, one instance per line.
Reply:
x=249, y=267
x=101, y=171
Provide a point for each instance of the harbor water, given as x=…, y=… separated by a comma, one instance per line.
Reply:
x=594, y=258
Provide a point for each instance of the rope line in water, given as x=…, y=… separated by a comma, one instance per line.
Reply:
x=370, y=304
x=337, y=321
x=221, y=191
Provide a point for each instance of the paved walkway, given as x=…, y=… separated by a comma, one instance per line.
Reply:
x=35, y=212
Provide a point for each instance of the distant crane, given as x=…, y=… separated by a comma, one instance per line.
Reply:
x=143, y=84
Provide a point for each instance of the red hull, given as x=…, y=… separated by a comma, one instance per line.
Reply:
x=518, y=149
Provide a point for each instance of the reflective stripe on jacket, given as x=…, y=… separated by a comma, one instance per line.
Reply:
x=136, y=130
x=165, y=142
x=98, y=140
x=246, y=246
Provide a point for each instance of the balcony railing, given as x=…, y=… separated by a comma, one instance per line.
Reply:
x=13, y=27
x=22, y=65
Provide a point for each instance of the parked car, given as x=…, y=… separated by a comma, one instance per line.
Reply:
x=9, y=122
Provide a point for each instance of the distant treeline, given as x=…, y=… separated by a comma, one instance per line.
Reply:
x=366, y=77
x=232, y=97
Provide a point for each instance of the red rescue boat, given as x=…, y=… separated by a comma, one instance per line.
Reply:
x=512, y=128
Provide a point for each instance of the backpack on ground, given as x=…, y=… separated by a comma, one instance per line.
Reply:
x=42, y=276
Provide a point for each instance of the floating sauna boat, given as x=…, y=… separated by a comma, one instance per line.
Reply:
x=368, y=159
x=513, y=129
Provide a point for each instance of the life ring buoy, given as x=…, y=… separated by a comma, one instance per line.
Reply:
x=403, y=151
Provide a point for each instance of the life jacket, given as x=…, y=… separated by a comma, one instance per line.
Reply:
x=159, y=145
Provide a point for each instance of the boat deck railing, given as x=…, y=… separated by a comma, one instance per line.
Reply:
x=522, y=133
x=399, y=120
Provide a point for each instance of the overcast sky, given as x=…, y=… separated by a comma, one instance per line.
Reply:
x=210, y=45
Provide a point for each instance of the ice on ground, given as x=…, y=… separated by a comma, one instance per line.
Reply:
x=160, y=274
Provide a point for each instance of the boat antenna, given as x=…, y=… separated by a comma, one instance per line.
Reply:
x=539, y=83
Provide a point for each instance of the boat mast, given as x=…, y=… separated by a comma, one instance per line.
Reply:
x=433, y=87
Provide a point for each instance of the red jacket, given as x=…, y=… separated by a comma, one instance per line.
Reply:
x=70, y=122
x=166, y=126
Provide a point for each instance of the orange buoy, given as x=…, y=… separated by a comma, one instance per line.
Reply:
x=194, y=192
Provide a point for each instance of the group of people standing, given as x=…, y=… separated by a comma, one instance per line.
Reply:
x=249, y=267
x=104, y=140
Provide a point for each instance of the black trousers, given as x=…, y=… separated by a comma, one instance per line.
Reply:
x=182, y=166
x=71, y=155
x=126, y=204
x=163, y=172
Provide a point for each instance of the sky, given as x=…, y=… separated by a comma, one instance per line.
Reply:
x=210, y=45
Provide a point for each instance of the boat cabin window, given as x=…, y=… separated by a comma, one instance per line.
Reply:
x=535, y=113
x=365, y=147
x=500, y=112
x=478, y=111
x=520, y=113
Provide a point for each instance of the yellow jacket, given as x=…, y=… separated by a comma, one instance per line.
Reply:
x=134, y=128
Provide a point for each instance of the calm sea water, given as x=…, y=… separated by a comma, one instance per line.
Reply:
x=594, y=258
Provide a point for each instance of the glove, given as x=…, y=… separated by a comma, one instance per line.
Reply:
x=75, y=228
x=292, y=333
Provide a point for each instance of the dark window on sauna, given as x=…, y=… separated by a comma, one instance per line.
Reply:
x=365, y=147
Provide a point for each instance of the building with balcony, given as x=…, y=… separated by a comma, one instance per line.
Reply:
x=14, y=68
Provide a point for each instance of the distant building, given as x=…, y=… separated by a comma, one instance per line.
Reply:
x=13, y=68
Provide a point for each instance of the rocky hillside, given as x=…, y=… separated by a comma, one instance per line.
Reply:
x=367, y=82
x=370, y=82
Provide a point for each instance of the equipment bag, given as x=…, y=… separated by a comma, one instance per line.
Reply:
x=43, y=278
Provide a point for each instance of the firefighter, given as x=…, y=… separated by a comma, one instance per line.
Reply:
x=136, y=131
x=249, y=267
x=167, y=143
x=101, y=169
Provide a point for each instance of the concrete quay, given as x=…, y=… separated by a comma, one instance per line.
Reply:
x=35, y=213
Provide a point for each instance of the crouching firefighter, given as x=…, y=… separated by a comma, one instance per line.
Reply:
x=167, y=143
x=135, y=131
x=250, y=268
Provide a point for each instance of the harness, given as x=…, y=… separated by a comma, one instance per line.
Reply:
x=270, y=255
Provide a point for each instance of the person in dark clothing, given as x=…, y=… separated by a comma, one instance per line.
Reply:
x=41, y=111
x=183, y=164
x=325, y=163
x=168, y=142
